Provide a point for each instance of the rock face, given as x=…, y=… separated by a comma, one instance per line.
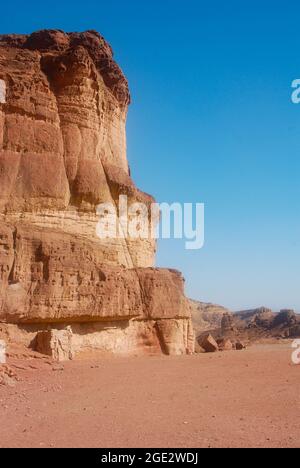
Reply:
x=227, y=324
x=63, y=112
x=56, y=343
x=285, y=317
x=262, y=316
x=62, y=137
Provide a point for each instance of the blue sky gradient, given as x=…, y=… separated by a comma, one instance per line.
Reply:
x=211, y=121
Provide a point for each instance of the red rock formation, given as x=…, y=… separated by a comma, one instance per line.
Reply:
x=208, y=343
x=63, y=152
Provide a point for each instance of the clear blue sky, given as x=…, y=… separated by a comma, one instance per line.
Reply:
x=211, y=121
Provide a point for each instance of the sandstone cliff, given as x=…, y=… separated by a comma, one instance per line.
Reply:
x=63, y=112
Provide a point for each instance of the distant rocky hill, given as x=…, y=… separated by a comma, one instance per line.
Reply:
x=250, y=325
x=245, y=317
x=263, y=321
x=206, y=316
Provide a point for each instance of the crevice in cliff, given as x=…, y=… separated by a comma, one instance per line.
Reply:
x=11, y=276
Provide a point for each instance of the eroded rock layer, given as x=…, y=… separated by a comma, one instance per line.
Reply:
x=63, y=112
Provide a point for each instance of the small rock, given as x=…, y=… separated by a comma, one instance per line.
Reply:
x=240, y=345
x=58, y=368
x=7, y=381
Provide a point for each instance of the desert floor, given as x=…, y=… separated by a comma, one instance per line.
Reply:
x=247, y=398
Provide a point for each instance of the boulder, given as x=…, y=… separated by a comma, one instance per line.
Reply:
x=208, y=343
x=225, y=344
x=239, y=345
x=7, y=376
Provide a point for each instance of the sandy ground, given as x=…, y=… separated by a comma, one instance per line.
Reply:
x=249, y=398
